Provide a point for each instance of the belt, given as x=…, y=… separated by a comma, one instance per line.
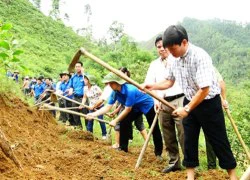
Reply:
x=171, y=98
x=78, y=96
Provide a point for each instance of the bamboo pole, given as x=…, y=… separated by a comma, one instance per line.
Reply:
x=4, y=145
x=146, y=141
x=123, y=76
x=76, y=102
x=237, y=133
x=72, y=112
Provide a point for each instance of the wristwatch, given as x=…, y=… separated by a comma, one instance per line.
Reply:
x=187, y=108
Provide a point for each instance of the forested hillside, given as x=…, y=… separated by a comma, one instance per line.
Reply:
x=226, y=41
x=48, y=46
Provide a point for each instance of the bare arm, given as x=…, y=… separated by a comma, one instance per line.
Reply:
x=98, y=103
x=121, y=116
x=101, y=111
x=198, y=98
x=165, y=84
x=223, y=89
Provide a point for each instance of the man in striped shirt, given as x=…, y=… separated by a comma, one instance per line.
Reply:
x=194, y=72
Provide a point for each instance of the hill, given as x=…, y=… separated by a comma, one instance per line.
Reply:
x=226, y=41
x=49, y=45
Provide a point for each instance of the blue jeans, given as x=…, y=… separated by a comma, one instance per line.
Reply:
x=102, y=124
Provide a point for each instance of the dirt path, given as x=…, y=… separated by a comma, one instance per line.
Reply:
x=47, y=150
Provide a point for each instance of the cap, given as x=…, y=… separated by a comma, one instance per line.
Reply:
x=91, y=78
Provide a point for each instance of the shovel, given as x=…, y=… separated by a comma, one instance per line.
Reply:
x=76, y=102
x=71, y=112
x=108, y=136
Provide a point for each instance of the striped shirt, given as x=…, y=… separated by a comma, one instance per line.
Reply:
x=194, y=71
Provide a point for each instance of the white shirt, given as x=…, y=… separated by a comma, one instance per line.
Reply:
x=93, y=94
x=156, y=73
x=58, y=86
x=106, y=92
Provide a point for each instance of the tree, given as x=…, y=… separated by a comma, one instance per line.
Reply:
x=88, y=12
x=9, y=48
x=116, y=31
x=55, y=12
x=37, y=3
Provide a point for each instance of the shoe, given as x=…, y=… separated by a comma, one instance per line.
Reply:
x=115, y=146
x=159, y=158
x=104, y=137
x=171, y=169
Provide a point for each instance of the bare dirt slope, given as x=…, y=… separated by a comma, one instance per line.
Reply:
x=47, y=150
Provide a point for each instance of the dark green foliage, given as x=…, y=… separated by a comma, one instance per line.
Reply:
x=48, y=44
x=9, y=48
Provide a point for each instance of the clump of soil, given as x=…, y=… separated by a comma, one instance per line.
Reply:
x=47, y=150
x=85, y=135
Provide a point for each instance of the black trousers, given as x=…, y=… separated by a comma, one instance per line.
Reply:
x=126, y=128
x=63, y=115
x=208, y=115
x=70, y=116
x=77, y=118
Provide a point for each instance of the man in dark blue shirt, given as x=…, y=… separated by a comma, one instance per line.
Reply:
x=38, y=89
x=136, y=103
x=63, y=90
x=75, y=88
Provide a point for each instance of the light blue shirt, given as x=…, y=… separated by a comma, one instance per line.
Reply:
x=77, y=83
x=39, y=88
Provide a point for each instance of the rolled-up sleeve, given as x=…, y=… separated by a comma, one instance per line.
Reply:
x=204, y=74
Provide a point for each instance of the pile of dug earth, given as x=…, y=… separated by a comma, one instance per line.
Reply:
x=47, y=150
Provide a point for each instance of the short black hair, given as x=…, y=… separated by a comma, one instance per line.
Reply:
x=174, y=34
x=158, y=38
x=49, y=78
x=79, y=62
x=40, y=78
x=125, y=70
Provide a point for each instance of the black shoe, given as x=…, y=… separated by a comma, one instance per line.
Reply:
x=170, y=169
x=122, y=149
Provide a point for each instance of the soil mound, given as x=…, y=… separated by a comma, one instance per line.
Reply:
x=47, y=150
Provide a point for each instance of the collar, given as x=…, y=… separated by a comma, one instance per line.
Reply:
x=122, y=89
x=187, y=52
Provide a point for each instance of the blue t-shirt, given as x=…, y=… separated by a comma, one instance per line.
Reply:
x=63, y=87
x=39, y=88
x=77, y=83
x=130, y=96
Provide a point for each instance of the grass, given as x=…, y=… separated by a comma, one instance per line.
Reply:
x=138, y=142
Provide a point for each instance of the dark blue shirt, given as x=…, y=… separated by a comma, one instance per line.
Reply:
x=63, y=87
x=77, y=83
x=130, y=96
x=39, y=88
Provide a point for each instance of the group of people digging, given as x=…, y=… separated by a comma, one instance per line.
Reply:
x=185, y=77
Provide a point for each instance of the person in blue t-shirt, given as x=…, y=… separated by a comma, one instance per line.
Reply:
x=38, y=89
x=75, y=88
x=63, y=90
x=136, y=103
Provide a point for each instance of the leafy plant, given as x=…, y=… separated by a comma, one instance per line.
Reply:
x=9, y=48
